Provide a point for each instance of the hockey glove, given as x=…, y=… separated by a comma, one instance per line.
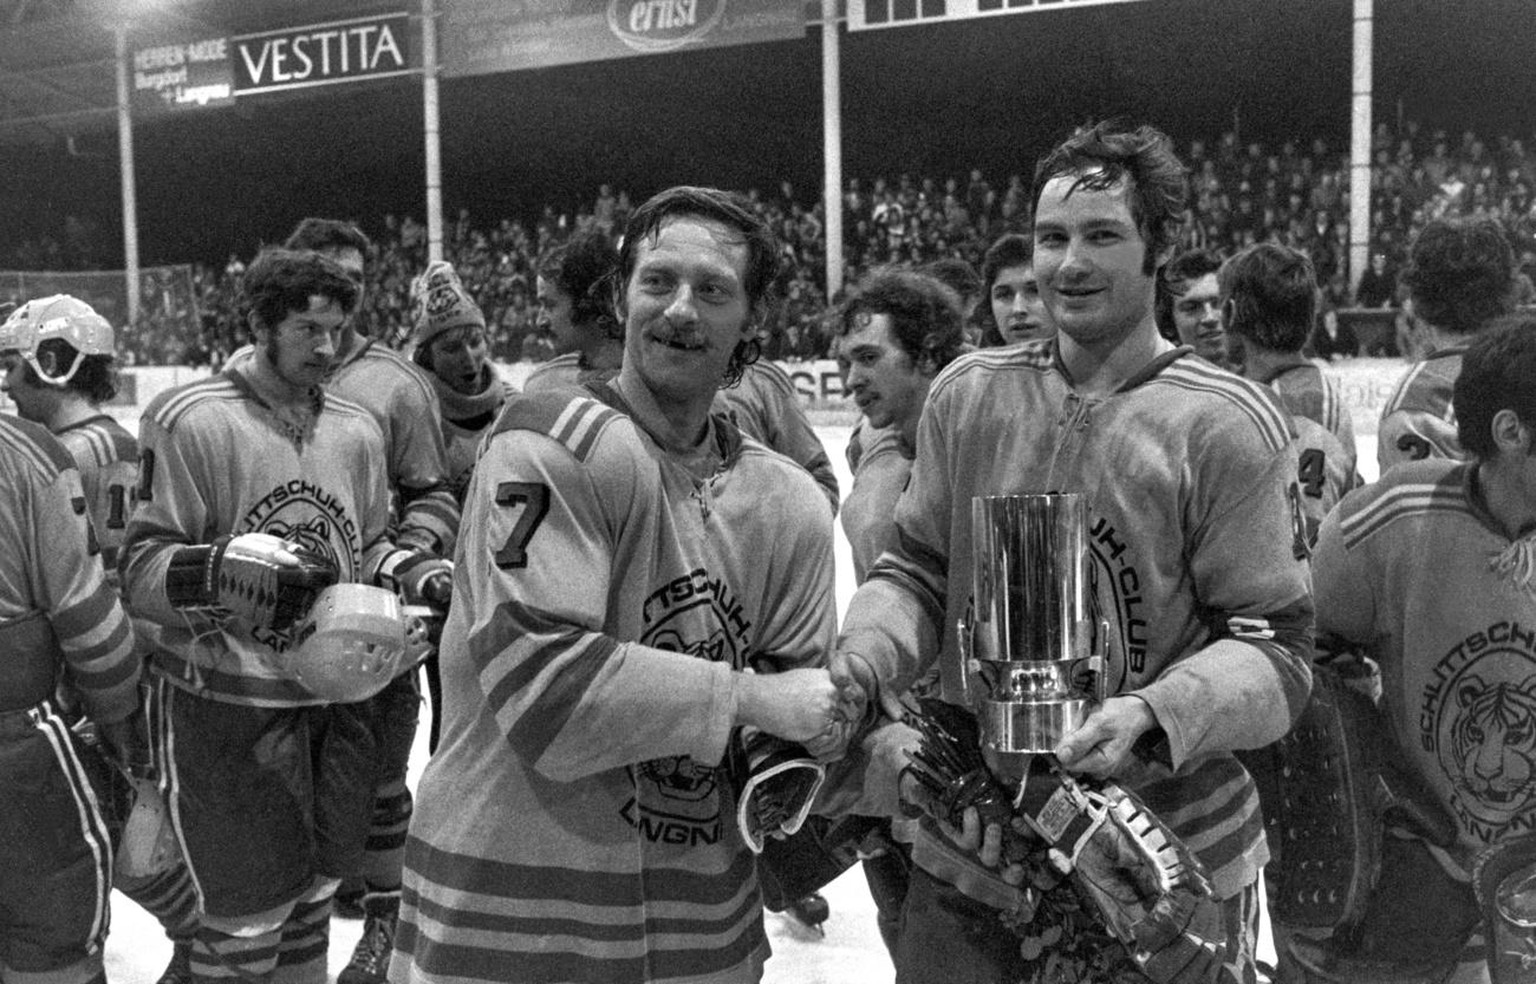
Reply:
x=1148, y=889
x=782, y=780
x=419, y=578
x=254, y=576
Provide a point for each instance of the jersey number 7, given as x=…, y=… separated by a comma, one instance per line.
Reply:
x=532, y=498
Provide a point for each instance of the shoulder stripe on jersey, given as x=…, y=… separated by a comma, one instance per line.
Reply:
x=1333, y=403
x=573, y=420
x=340, y=404
x=1189, y=374
x=1397, y=503
x=1029, y=355
x=34, y=443
x=168, y=409
x=578, y=426
x=107, y=439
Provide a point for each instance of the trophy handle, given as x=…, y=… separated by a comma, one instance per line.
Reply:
x=1101, y=660
x=965, y=644
x=1095, y=665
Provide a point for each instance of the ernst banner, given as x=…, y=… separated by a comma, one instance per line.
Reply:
x=484, y=36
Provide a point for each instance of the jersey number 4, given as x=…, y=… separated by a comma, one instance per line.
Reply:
x=532, y=501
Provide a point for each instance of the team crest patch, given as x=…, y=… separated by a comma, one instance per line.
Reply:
x=305, y=514
x=1478, y=717
x=677, y=800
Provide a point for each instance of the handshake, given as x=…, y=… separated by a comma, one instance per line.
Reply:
x=821, y=709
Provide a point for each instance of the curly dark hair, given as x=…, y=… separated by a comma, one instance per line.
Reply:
x=584, y=268
x=1100, y=155
x=730, y=209
x=1461, y=274
x=1498, y=372
x=925, y=314
x=281, y=281
x=1273, y=293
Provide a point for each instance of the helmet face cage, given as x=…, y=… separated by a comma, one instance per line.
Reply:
x=59, y=316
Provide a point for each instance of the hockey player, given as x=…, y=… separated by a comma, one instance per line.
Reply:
x=1190, y=306
x=1269, y=301
x=762, y=402
x=403, y=403
x=1460, y=278
x=58, y=356
x=1013, y=311
x=1186, y=470
x=450, y=343
x=57, y=615
x=627, y=558
x=1430, y=571
x=257, y=489
x=896, y=331
x=574, y=287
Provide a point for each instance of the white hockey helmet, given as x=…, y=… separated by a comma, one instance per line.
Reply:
x=59, y=316
x=354, y=641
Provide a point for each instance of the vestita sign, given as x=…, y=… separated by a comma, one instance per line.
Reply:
x=323, y=54
x=215, y=71
x=483, y=36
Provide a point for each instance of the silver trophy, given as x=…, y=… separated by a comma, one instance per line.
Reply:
x=1033, y=671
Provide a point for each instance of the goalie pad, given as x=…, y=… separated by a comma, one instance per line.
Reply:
x=782, y=781
x=1504, y=879
x=257, y=577
x=1331, y=790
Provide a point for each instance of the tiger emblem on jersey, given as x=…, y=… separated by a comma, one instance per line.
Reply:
x=1492, y=753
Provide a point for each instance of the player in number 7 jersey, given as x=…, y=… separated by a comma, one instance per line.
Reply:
x=627, y=556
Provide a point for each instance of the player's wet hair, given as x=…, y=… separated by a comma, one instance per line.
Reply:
x=322, y=235
x=96, y=379
x=925, y=314
x=1177, y=277
x=730, y=209
x=1100, y=155
x=1498, y=372
x=1011, y=250
x=1272, y=293
x=281, y=281
x=1461, y=274
x=584, y=268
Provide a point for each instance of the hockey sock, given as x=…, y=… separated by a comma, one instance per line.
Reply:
x=385, y=848
x=301, y=957
x=169, y=896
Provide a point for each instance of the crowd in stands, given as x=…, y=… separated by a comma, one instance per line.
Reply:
x=1296, y=194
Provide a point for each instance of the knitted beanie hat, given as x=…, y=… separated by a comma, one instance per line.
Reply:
x=439, y=303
